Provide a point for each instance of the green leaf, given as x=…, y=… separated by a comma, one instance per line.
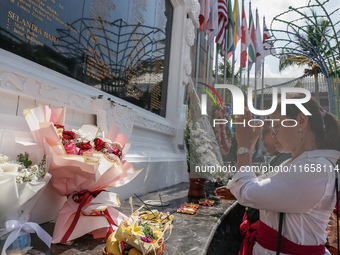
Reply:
x=24, y=159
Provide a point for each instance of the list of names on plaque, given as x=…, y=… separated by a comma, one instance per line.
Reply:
x=136, y=49
x=96, y=64
x=25, y=18
x=116, y=46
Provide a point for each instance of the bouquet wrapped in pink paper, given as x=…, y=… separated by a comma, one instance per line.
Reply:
x=84, y=163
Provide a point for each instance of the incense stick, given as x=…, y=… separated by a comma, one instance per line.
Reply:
x=144, y=204
x=160, y=199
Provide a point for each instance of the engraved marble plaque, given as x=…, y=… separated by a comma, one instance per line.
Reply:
x=120, y=47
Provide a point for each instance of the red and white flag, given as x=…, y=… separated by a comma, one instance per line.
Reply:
x=244, y=39
x=222, y=23
x=267, y=45
x=204, y=13
x=208, y=18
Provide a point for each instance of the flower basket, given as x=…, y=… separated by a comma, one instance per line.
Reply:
x=144, y=231
x=160, y=251
x=135, y=241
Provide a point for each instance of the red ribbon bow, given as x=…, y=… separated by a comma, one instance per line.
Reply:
x=83, y=198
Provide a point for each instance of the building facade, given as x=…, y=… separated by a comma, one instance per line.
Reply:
x=155, y=126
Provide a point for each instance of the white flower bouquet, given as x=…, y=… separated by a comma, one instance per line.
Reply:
x=20, y=182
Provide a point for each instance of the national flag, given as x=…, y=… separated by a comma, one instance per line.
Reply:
x=258, y=47
x=267, y=45
x=212, y=22
x=244, y=39
x=222, y=23
x=230, y=43
x=204, y=13
x=251, y=47
x=237, y=25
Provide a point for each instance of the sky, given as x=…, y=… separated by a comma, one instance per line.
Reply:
x=270, y=9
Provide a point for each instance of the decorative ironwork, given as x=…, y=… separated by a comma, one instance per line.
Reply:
x=310, y=37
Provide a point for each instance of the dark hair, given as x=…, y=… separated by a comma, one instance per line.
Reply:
x=324, y=125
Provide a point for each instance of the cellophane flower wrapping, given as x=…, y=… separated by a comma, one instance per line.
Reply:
x=84, y=163
x=204, y=155
x=20, y=187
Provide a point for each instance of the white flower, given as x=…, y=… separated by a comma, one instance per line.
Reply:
x=31, y=174
x=88, y=137
x=81, y=136
x=85, y=137
x=36, y=173
x=76, y=132
x=4, y=158
x=9, y=167
x=200, y=150
x=195, y=133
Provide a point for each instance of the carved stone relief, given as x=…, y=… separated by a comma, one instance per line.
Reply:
x=122, y=116
x=37, y=89
x=150, y=124
x=193, y=10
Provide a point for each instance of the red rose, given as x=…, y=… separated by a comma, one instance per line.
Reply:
x=116, y=152
x=85, y=146
x=68, y=135
x=99, y=143
x=59, y=126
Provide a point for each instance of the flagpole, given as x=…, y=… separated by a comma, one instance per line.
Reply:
x=234, y=42
x=240, y=75
x=198, y=56
x=208, y=64
x=248, y=78
x=225, y=58
x=216, y=64
x=236, y=25
x=248, y=52
x=233, y=69
x=257, y=27
x=244, y=84
x=262, y=90
x=241, y=69
x=225, y=63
